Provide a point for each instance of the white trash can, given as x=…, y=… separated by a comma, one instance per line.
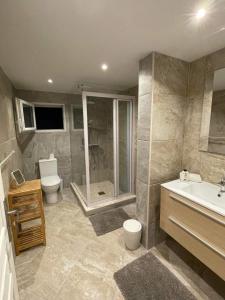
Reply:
x=132, y=233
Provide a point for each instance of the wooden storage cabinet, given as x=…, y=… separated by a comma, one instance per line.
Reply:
x=198, y=229
x=26, y=205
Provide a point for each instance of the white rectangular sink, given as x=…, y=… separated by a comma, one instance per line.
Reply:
x=204, y=193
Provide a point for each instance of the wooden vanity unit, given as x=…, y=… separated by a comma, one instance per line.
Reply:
x=26, y=207
x=198, y=229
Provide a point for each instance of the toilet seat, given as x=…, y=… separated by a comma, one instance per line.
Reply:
x=50, y=181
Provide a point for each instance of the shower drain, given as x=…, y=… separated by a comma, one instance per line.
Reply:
x=101, y=193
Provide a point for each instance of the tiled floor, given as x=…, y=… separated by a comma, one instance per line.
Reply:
x=104, y=186
x=75, y=264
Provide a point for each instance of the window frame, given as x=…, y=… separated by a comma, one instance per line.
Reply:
x=44, y=104
x=72, y=116
x=20, y=115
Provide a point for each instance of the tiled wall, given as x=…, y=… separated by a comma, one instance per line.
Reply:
x=143, y=143
x=161, y=111
x=8, y=141
x=210, y=166
x=39, y=145
x=168, y=114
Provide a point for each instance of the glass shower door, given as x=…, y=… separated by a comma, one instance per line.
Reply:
x=124, y=146
x=100, y=148
x=78, y=151
x=108, y=146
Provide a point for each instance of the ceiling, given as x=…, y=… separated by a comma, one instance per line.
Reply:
x=69, y=40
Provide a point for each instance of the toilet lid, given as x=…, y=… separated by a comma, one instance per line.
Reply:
x=50, y=180
x=132, y=225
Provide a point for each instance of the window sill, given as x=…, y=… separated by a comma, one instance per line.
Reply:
x=51, y=131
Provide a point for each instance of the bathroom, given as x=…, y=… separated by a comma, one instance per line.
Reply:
x=117, y=130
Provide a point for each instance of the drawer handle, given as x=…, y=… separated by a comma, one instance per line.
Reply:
x=176, y=198
x=196, y=236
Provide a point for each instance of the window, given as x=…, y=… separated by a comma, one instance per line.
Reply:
x=40, y=116
x=25, y=115
x=77, y=115
x=49, y=117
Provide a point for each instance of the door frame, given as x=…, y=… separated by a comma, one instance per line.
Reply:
x=7, y=266
x=116, y=98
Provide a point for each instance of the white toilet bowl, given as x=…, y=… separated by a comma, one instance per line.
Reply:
x=50, y=185
x=132, y=234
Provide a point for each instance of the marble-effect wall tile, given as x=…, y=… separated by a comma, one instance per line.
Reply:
x=166, y=160
x=39, y=145
x=170, y=75
x=161, y=111
x=8, y=141
x=143, y=142
x=210, y=166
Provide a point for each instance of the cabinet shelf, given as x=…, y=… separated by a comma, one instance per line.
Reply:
x=30, y=237
x=27, y=201
x=29, y=215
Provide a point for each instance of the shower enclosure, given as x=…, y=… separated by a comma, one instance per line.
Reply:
x=106, y=170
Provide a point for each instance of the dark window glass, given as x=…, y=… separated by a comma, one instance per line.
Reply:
x=49, y=118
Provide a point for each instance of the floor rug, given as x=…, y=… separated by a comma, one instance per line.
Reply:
x=147, y=278
x=108, y=221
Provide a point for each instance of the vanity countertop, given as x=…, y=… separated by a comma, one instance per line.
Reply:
x=203, y=193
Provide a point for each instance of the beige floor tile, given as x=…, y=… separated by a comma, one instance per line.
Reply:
x=75, y=264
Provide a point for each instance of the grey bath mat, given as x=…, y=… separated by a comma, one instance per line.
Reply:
x=108, y=221
x=147, y=278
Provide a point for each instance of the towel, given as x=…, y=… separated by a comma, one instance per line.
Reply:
x=194, y=177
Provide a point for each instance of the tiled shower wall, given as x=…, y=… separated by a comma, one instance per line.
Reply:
x=100, y=134
x=8, y=141
x=38, y=145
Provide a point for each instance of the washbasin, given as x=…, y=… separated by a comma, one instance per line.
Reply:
x=203, y=193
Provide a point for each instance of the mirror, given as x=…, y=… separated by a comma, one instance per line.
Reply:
x=213, y=116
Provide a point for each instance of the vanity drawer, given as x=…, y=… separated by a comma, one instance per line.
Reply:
x=199, y=230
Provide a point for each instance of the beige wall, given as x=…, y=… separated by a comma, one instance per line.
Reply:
x=210, y=166
x=161, y=110
x=173, y=106
x=39, y=145
x=8, y=141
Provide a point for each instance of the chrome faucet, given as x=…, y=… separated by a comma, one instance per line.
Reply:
x=222, y=186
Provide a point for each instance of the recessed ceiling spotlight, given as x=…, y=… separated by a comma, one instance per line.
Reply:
x=50, y=80
x=104, y=67
x=200, y=13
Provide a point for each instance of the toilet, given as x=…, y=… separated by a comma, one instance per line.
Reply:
x=50, y=181
x=132, y=234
